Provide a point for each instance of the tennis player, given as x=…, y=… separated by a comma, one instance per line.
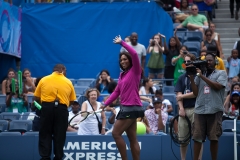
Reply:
x=131, y=105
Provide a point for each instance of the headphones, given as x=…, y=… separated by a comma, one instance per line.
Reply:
x=215, y=57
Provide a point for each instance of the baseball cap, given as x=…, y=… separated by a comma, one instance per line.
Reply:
x=75, y=101
x=157, y=100
x=235, y=93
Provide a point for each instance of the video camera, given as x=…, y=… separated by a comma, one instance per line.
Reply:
x=198, y=63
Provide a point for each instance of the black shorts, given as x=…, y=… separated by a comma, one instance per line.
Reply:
x=130, y=112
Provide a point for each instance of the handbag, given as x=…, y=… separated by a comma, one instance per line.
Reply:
x=99, y=123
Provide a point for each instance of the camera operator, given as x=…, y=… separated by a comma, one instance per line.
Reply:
x=186, y=102
x=208, y=86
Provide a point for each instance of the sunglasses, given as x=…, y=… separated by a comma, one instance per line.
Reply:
x=194, y=9
x=92, y=89
x=208, y=35
x=187, y=61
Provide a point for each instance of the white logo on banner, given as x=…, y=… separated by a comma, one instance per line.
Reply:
x=91, y=146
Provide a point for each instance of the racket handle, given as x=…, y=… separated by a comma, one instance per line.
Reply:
x=37, y=105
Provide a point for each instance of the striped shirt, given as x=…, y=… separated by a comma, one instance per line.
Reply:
x=212, y=102
x=128, y=83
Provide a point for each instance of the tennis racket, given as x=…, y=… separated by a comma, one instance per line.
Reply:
x=81, y=116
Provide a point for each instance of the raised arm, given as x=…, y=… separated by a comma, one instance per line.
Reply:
x=4, y=87
x=135, y=61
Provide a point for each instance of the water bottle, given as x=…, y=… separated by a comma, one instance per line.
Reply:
x=37, y=105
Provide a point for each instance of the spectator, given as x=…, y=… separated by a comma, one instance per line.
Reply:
x=156, y=118
x=16, y=103
x=210, y=42
x=184, y=7
x=234, y=80
x=7, y=82
x=90, y=125
x=236, y=46
x=127, y=39
x=36, y=120
x=232, y=8
x=177, y=61
x=186, y=102
x=166, y=104
x=139, y=48
x=195, y=21
x=102, y=83
x=208, y=87
x=216, y=36
x=233, y=66
x=234, y=87
x=156, y=62
x=233, y=111
x=146, y=89
x=71, y=114
x=212, y=49
x=170, y=51
x=205, y=5
x=28, y=82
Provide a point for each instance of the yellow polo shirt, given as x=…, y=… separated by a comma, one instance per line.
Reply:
x=220, y=65
x=55, y=85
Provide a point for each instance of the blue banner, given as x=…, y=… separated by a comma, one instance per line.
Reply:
x=80, y=35
x=104, y=148
x=10, y=31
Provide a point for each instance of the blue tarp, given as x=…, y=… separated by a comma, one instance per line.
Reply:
x=80, y=35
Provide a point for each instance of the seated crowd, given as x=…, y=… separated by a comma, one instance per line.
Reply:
x=165, y=61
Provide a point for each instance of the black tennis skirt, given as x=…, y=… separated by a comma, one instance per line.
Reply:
x=130, y=112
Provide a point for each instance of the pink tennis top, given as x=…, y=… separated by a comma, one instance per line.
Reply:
x=128, y=82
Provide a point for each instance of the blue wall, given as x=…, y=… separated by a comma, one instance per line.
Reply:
x=80, y=35
x=83, y=147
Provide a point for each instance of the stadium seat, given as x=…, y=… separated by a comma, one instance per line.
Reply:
x=28, y=116
x=31, y=133
x=74, y=81
x=175, y=25
x=195, y=53
x=2, y=103
x=182, y=29
x=10, y=116
x=80, y=89
x=145, y=105
x=85, y=82
x=193, y=46
x=117, y=1
x=30, y=98
x=3, y=125
x=181, y=35
x=20, y=126
x=81, y=99
x=168, y=89
x=10, y=134
x=227, y=125
x=194, y=36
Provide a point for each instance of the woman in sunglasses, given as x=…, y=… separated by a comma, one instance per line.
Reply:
x=210, y=41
